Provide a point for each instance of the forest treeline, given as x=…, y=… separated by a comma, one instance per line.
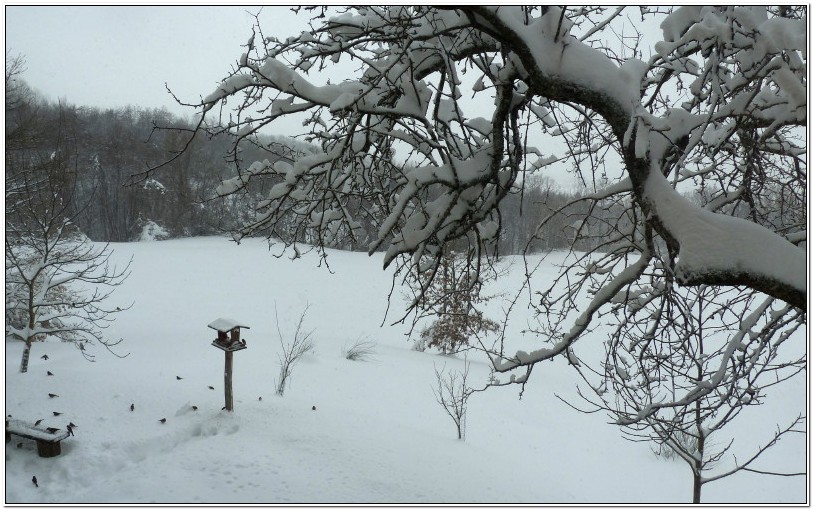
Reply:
x=102, y=149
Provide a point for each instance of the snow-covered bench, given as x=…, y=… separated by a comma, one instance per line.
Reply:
x=47, y=440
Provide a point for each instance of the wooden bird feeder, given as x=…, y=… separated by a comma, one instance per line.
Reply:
x=228, y=340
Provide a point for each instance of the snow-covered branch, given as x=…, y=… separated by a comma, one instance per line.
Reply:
x=708, y=133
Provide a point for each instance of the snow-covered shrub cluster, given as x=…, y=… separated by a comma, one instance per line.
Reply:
x=152, y=231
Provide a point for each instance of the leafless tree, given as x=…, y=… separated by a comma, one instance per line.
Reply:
x=452, y=392
x=680, y=387
x=292, y=351
x=57, y=280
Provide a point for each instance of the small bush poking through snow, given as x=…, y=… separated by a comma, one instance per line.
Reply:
x=293, y=351
x=419, y=344
x=361, y=350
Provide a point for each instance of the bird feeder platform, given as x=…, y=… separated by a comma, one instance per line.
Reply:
x=228, y=340
x=228, y=335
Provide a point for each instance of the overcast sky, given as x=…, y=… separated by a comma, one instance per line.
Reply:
x=117, y=56
x=114, y=56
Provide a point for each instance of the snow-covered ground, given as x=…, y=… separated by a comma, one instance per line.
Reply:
x=377, y=435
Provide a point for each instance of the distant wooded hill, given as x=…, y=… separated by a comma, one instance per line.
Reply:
x=104, y=148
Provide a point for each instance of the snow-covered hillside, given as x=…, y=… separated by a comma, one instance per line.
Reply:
x=376, y=436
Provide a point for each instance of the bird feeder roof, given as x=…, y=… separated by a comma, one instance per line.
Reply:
x=226, y=325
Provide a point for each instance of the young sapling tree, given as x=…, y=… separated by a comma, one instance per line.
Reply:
x=452, y=392
x=452, y=300
x=682, y=388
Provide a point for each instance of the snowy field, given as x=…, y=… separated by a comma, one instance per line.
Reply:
x=377, y=435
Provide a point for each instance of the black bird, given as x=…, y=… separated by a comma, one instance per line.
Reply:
x=52, y=395
x=49, y=372
x=260, y=398
x=178, y=377
x=163, y=420
x=211, y=387
x=72, y=424
x=34, y=481
x=70, y=430
x=313, y=408
x=38, y=421
x=56, y=413
x=52, y=430
x=132, y=407
x=194, y=408
x=44, y=356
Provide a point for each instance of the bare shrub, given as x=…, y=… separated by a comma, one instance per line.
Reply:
x=293, y=350
x=361, y=350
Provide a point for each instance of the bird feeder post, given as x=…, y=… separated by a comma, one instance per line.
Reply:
x=228, y=340
x=227, y=381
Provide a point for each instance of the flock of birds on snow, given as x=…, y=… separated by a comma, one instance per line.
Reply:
x=70, y=426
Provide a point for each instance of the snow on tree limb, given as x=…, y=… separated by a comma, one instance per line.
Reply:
x=628, y=275
x=720, y=108
x=716, y=247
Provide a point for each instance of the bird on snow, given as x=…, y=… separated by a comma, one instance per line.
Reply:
x=44, y=356
x=194, y=408
x=56, y=413
x=163, y=420
x=260, y=398
x=49, y=372
x=211, y=387
x=70, y=430
x=34, y=481
x=72, y=424
x=178, y=377
x=132, y=407
x=313, y=408
x=52, y=395
x=52, y=430
x=38, y=421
